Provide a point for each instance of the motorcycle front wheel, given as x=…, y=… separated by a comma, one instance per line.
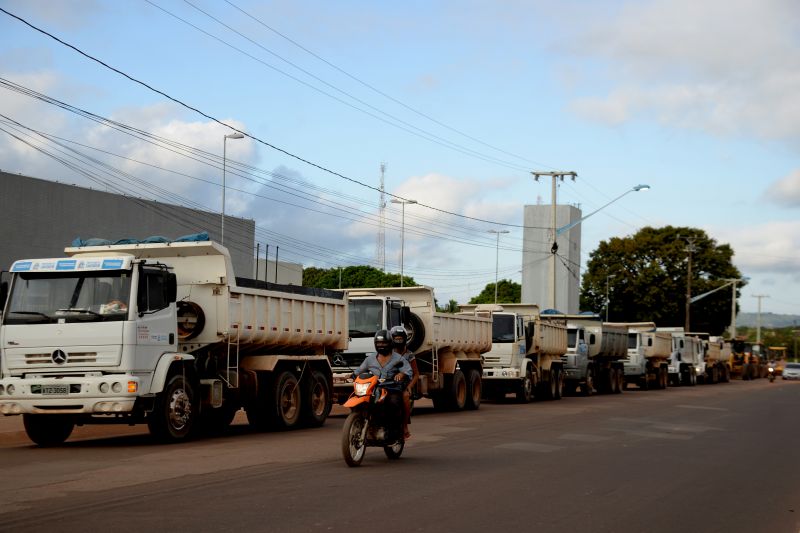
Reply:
x=354, y=444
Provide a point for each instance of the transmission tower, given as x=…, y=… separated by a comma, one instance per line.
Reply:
x=380, y=244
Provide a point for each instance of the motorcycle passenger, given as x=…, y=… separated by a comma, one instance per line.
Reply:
x=387, y=365
x=400, y=344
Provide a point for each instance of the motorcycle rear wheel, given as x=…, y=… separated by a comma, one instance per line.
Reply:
x=354, y=445
x=395, y=450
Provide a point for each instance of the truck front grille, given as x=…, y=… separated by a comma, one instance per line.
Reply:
x=73, y=358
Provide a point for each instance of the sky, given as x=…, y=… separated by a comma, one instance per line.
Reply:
x=461, y=100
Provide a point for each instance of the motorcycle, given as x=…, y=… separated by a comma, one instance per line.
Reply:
x=771, y=371
x=369, y=423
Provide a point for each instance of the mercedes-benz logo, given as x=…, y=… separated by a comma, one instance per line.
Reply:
x=338, y=360
x=59, y=357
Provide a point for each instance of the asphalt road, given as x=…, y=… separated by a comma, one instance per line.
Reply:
x=709, y=458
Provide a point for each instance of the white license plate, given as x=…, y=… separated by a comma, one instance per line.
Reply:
x=55, y=389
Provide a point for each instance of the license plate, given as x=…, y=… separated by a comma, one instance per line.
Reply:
x=55, y=389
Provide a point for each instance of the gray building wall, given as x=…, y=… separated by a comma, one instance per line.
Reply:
x=536, y=257
x=39, y=218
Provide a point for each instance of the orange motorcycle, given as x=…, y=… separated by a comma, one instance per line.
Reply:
x=375, y=418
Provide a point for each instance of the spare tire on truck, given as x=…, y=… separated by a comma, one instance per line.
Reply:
x=416, y=332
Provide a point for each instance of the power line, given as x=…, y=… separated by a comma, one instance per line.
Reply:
x=249, y=135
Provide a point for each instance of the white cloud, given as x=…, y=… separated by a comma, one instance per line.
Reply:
x=727, y=68
x=785, y=191
x=770, y=248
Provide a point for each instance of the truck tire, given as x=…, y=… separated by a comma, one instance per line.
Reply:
x=692, y=377
x=457, y=391
x=317, y=403
x=525, y=390
x=474, y=389
x=416, y=332
x=175, y=411
x=588, y=386
x=287, y=401
x=48, y=430
x=559, y=378
x=663, y=374
x=620, y=380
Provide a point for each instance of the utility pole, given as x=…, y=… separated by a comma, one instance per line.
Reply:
x=380, y=245
x=608, y=300
x=758, y=319
x=690, y=249
x=554, y=248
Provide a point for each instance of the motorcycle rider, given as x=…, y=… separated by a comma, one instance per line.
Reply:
x=399, y=337
x=387, y=364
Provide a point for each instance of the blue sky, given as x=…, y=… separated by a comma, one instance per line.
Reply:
x=461, y=99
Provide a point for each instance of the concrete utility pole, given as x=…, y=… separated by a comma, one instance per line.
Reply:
x=690, y=249
x=758, y=319
x=554, y=248
x=497, y=258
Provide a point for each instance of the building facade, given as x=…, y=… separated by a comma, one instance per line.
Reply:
x=39, y=218
x=537, y=258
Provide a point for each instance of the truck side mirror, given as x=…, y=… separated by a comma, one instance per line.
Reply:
x=529, y=331
x=592, y=339
x=3, y=294
x=650, y=341
x=171, y=287
x=405, y=314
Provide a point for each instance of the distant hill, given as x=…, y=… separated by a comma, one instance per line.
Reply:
x=768, y=320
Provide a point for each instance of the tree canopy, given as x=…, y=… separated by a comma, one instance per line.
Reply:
x=508, y=292
x=352, y=277
x=646, y=276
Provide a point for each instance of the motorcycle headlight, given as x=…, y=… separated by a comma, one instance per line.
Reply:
x=361, y=389
x=771, y=369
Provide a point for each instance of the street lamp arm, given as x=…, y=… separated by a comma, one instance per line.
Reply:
x=712, y=291
x=571, y=225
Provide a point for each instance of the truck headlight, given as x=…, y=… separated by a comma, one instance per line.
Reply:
x=10, y=390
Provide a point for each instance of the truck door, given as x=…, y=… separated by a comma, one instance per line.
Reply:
x=156, y=324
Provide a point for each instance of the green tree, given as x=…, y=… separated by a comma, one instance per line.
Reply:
x=352, y=277
x=646, y=275
x=508, y=292
x=451, y=307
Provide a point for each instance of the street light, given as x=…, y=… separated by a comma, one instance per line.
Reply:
x=497, y=258
x=571, y=225
x=225, y=138
x=402, y=231
x=728, y=281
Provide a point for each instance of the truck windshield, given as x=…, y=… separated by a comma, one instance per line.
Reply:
x=503, y=328
x=633, y=341
x=365, y=317
x=47, y=297
x=572, y=337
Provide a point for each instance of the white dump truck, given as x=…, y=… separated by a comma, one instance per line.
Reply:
x=162, y=334
x=716, y=365
x=686, y=360
x=647, y=363
x=595, y=353
x=447, y=347
x=525, y=358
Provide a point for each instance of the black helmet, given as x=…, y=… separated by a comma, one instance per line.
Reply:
x=399, y=337
x=383, y=343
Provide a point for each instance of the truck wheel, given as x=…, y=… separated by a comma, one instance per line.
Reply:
x=525, y=390
x=457, y=391
x=692, y=377
x=588, y=386
x=48, y=430
x=620, y=380
x=551, y=385
x=663, y=374
x=559, y=384
x=287, y=402
x=317, y=402
x=416, y=332
x=175, y=411
x=474, y=382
